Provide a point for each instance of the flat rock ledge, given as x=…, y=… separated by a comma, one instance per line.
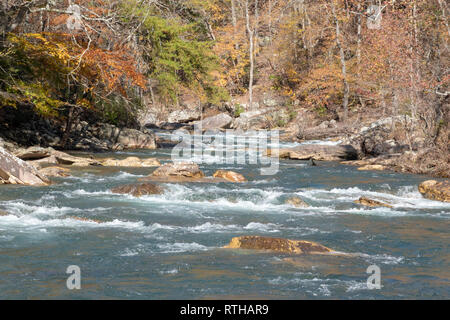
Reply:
x=278, y=245
x=16, y=171
x=316, y=152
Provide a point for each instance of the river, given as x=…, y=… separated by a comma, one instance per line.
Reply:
x=169, y=246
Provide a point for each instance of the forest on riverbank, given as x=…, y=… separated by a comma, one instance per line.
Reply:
x=121, y=61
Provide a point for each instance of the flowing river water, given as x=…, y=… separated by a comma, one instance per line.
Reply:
x=169, y=246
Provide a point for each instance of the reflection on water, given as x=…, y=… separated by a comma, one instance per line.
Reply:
x=169, y=246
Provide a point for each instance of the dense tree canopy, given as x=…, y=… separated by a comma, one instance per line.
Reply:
x=336, y=57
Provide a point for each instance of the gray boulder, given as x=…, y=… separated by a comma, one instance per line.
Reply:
x=16, y=171
x=220, y=121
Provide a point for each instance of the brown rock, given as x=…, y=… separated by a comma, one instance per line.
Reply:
x=435, y=190
x=371, y=203
x=278, y=244
x=297, y=202
x=3, y=213
x=138, y=190
x=229, y=176
x=55, y=172
x=179, y=169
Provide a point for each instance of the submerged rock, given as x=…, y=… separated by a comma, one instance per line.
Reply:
x=3, y=213
x=138, y=190
x=297, y=202
x=371, y=203
x=16, y=171
x=131, y=162
x=55, y=172
x=229, y=176
x=278, y=244
x=435, y=190
x=179, y=169
x=85, y=220
x=317, y=152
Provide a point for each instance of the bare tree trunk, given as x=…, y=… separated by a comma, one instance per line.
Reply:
x=358, y=40
x=234, y=21
x=343, y=62
x=252, y=63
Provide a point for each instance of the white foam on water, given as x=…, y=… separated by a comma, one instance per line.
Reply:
x=28, y=222
x=268, y=227
x=382, y=258
x=178, y=247
x=172, y=271
x=405, y=198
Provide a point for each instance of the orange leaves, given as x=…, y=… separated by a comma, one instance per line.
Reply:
x=115, y=69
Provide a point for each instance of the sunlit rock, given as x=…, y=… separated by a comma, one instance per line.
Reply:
x=229, y=176
x=435, y=190
x=371, y=203
x=16, y=171
x=131, y=162
x=179, y=169
x=278, y=245
x=55, y=172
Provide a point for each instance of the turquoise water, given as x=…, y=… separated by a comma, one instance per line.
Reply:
x=169, y=246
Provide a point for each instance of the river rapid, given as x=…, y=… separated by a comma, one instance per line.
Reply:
x=169, y=246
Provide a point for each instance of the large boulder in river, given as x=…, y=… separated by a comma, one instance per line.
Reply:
x=16, y=171
x=179, y=169
x=138, y=190
x=230, y=176
x=131, y=162
x=371, y=203
x=220, y=121
x=278, y=244
x=435, y=190
x=317, y=152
